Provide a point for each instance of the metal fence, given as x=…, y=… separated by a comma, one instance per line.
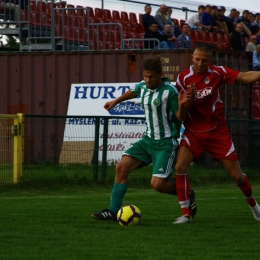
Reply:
x=99, y=142
x=49, y=25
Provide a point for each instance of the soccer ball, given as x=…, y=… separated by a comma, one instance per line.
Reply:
x=129, y=215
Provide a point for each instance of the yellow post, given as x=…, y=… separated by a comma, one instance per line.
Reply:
x=18, y=134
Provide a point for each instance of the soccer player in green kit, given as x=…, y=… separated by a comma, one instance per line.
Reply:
x=165, y=109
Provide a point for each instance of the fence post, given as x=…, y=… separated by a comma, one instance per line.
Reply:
x=104, y=152
x=95, y=155
x=18, y=133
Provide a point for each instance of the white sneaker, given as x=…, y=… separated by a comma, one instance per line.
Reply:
x=256, y=211
x=182, y=220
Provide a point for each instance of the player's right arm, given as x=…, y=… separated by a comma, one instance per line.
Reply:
x=126, y=96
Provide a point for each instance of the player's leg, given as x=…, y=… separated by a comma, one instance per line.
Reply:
x=241, y=179
x=134, y=157
x=184, y=159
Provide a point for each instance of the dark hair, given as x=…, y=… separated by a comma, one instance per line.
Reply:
x=201, y=6
x=153, y=63
x=147, y=5
x=214, y=7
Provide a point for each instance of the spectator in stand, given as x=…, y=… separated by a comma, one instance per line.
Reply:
x=147, y=18
x=194, y=21
x=171, y=37
x=255, y=24
x=184, y=40
x=233, y=16
x=153, y=33
x=257, y=20
x=245, y=21
x=237, y=39
x=224, y=20
x=208, y=21
x=256, y=58
x=176, y=30
x=162, y=18
x=251, y=45
x=222, y=25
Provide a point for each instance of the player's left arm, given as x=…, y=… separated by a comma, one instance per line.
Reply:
x=248, y=77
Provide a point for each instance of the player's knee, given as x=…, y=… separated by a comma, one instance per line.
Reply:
x=157, y=184
x=180, y=168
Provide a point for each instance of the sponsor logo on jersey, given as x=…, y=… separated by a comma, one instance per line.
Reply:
x=203, y=93
x=157, y=102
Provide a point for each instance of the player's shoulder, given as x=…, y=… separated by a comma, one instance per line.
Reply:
x=218, y=69
x=169, y=86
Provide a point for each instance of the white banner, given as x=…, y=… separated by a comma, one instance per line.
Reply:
x=89, y=99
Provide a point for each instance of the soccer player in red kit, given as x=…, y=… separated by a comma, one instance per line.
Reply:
x=206, y=127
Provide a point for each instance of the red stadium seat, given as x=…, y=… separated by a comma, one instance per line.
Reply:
x=176, y=22
x=107, y=15
x=132, y=18
x=124, y=16
x=99, y=14
x=116, y=16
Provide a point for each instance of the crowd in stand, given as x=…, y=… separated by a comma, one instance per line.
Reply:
x=243, y=29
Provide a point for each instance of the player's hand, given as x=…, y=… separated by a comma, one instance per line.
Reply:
x=110, y=105
x=186, y=98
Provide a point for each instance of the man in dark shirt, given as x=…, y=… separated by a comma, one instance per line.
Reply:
x=147, y=18
x=237, y=39
x=153, y=33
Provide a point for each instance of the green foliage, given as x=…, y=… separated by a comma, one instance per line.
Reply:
x=55, y=223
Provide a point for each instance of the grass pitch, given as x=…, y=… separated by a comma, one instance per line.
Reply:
x=50, y=223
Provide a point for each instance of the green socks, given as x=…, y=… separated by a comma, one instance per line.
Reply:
x=117, y=196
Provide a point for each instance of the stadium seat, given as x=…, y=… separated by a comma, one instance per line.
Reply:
x=116, y=16
x=129, y=27
x=176, y=22
x=107, y=16
x=91, y=12
x=80, y=10
x=220, y=41
x=124, y=16
x=99, y=14
x=41, y=7
x=182, y=22
x=71, y=11
x=226, y=39
x=132, y=18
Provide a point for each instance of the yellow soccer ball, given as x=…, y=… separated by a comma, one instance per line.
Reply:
x=129, y=215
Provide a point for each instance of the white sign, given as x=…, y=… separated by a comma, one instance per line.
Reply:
x=89, y=100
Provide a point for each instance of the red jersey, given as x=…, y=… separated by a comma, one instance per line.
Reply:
x=207, y=110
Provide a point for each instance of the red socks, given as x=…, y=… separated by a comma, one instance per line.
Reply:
x=246, y=188
x=183, y=192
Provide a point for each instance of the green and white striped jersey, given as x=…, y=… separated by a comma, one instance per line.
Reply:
x=160, y=106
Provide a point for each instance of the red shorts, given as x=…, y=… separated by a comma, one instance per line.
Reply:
x=217, y=142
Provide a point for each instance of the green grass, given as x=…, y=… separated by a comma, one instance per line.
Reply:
x=53, y=222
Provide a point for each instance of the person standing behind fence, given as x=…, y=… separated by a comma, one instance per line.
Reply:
x=164, y=111
x=206, y=127
x=147, y=18
x=184, y=40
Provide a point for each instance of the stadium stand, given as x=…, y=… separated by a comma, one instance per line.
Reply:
x=69, y=27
